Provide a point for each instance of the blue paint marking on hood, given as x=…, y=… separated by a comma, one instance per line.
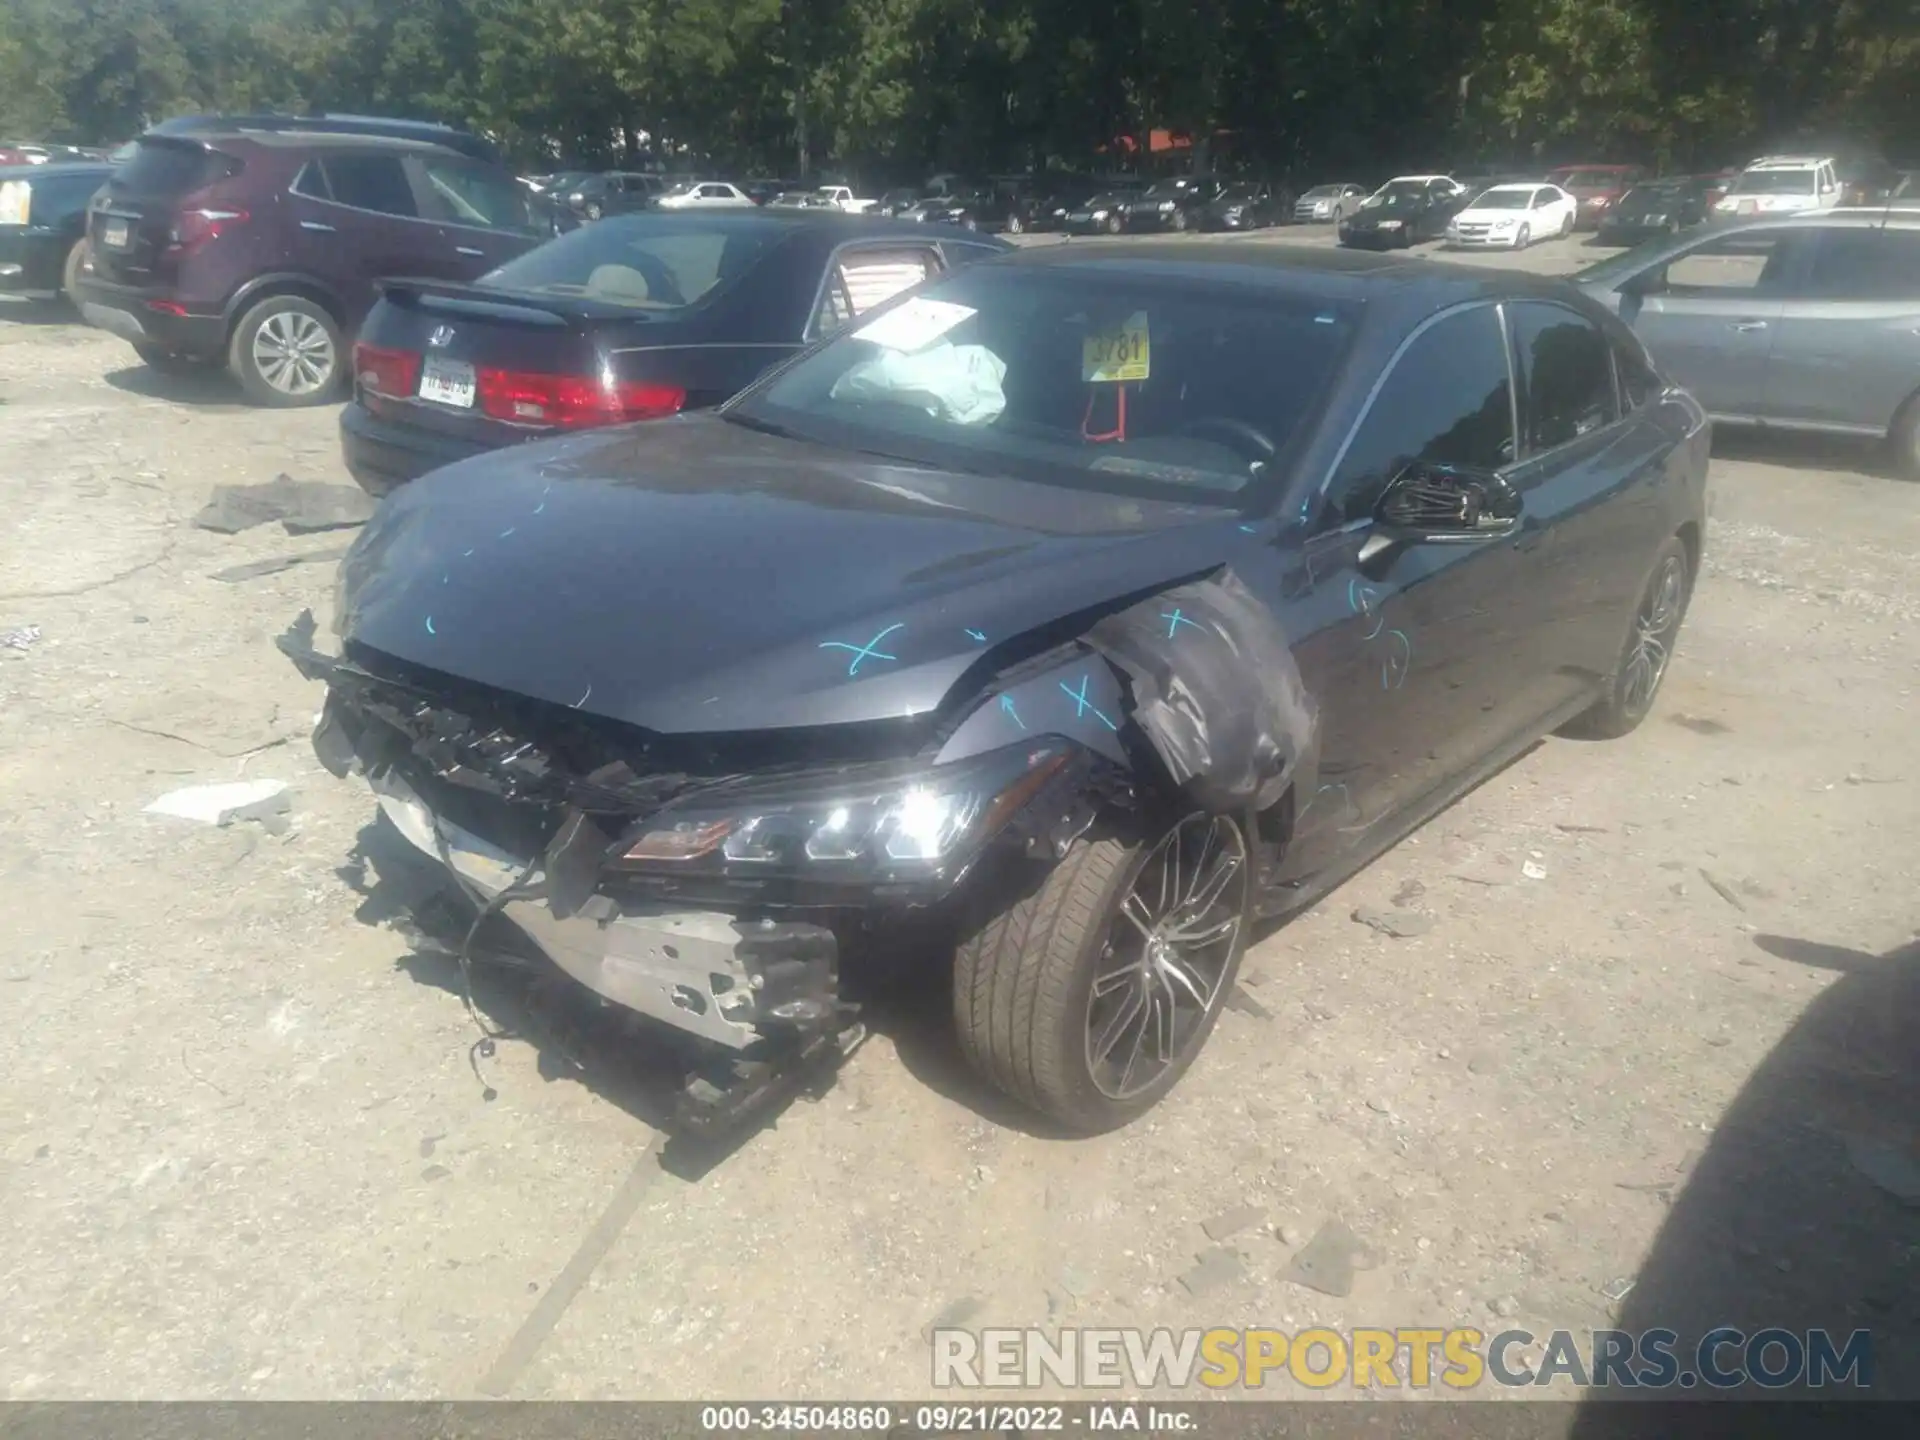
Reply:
x=693, y=576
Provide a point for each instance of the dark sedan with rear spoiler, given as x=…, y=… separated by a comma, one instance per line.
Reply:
x=635, y=318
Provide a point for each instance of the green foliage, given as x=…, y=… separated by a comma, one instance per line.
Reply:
x=895, y=87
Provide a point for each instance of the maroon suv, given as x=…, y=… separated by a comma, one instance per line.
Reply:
x=259, y=248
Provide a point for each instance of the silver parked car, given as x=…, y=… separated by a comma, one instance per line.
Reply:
x=1329, y=204
x=1805, y=323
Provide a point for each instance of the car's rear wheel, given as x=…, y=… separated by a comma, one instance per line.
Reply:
x=286, y=351
x=1089, y=997
x=1650, y=640
x=75, y=267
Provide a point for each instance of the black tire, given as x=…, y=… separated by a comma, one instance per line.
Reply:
x=291, y=323
x=1628, y=700
x=1023, y=982
x=70, y=272
x=594, y=210
x=1015, y=225
x=1113, y=225
x=1524, y=238
x=169, y=363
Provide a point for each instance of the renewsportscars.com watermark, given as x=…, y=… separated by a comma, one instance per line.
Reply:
x=1417, y=1359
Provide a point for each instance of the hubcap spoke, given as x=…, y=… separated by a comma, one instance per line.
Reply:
x=1187, y=903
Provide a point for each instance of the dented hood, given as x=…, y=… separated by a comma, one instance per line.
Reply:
x=695, y=576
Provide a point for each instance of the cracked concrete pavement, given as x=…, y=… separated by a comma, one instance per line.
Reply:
x=245, y=1149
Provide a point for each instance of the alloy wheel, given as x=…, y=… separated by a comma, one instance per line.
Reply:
x=1653, y=632
x=1014, y=225
x=293, y=353
x=1169, y=951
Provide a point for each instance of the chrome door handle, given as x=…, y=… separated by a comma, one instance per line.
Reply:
x=1745, y=325
x=468, y=250
x=316, y=225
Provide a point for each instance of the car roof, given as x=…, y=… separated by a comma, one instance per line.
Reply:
x=1527, y=185
x=57, y=169
x=1435, y=175
x=291, y=139
x=1297, y=269
x=1790, y=162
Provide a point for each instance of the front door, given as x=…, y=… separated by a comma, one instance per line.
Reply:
x=1420, y=658
x=484, y=219
x=1709, y=315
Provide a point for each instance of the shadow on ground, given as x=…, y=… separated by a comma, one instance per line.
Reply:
x=209, y=387
x=1803, y=1213
x=1805, y=451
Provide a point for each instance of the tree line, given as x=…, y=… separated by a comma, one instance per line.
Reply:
x=898, y=88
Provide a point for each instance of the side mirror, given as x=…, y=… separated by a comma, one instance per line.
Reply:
x=1432, y=502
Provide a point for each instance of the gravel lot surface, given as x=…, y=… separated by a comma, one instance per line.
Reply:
x=1661, y=1032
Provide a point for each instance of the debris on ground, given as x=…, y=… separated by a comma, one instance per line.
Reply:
x=302, y=506
x=952, y=1316
x=1291, y=1236
x=1533, y=870
x=1724, y=891
x=1329, y=1261
x=1617, y=1290
x=1409, y=891
x=264, y=800
x=1226, y=1226
x=1400, y=924
x=255, y=569
x=24, y=638
x=1895, y=1171
x=1217, y=1267
x=1239, y=999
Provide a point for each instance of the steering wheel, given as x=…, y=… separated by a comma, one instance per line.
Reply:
x=1248, y=440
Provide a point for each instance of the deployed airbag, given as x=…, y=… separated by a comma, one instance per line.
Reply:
x=960, y=384
x=1215, y=690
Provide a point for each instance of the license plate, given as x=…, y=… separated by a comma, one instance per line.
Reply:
x=114, y=234
x=447, y=382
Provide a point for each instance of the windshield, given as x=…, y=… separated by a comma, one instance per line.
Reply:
x=1592, y=179
x=1773, y=182
x=1398, y=192
x=1111, y=381
x=648, y=262
x=1322, y=192
x=1239, y=195
x=1654, y=194
x=1504, y=200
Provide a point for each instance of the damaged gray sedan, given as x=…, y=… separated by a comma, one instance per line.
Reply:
x=1079, y=610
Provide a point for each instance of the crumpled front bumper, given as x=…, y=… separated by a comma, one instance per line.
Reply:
x=716, y=976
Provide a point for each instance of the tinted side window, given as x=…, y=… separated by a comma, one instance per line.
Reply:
x=1853, y=264
x=1447, y=400
x=370, y=182
x=1566, y=370
x=312, y=180
x=1734, y=265
x=475, y=195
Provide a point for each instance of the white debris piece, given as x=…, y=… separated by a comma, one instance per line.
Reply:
x=22, y=639
x=223, y=804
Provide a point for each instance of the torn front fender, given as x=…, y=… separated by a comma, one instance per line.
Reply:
x=1215, y=691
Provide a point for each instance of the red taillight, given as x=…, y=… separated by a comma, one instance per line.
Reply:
x=571, y=401
x=381, y=371
x=166, y=307
x=194, y=228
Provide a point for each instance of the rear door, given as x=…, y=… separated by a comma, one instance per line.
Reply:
x=1709, y=314
x=1590, y=478
x=133, y=216
x=357, y=220
x=1846, y=354
x=484, y=216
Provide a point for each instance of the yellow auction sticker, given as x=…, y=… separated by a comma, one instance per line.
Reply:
x=1115, y=356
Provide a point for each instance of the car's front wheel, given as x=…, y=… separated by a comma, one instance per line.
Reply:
x=286, y=351
x=1089, y=996
x=1649, y=647
x=1113, y=225
x=1524, y=238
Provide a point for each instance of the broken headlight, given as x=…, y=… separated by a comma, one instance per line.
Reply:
x=922, y=822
